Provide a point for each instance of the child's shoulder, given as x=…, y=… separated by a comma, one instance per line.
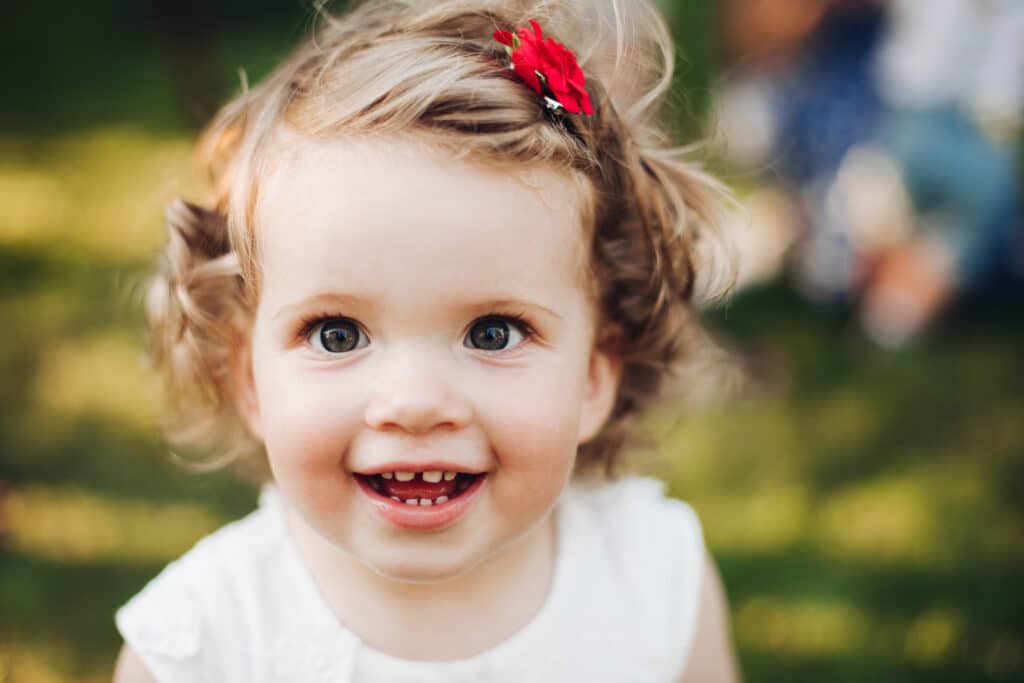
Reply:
x=218, y=586
x=636, y=511
x=651, y=546
x=244, y=545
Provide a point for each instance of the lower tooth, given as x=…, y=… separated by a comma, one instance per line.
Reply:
x=396, y=498
x=412, y=501
x=426, y=501
x=441, y=499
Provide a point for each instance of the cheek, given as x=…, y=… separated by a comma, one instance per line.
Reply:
x=305, y=425
x=306, y=434
x=535, y=449
x=532, y=423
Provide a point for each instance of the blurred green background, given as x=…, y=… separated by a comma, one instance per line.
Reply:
x=866, y=508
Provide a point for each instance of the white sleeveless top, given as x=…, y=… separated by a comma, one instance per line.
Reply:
x=241, y=606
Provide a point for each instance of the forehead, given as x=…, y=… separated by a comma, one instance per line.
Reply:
x=367, y=214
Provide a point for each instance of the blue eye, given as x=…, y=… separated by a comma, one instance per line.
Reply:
x=493, y=334
x=337, y=335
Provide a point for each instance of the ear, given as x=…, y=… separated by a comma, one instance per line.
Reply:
x=246, y=398
x=603, y=376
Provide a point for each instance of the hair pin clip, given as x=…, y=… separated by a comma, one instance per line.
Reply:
x=548, y=67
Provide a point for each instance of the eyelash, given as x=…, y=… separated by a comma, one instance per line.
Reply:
x=309, y=323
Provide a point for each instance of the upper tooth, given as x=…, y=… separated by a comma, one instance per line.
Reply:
x=405, y=476
x=433, y=477
x=387, y=475
x=448, y=476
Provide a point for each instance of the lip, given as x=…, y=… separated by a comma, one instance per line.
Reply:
x=419, y=467
x=415, y=517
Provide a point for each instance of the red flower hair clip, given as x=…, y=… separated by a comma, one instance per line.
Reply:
x=548, y=67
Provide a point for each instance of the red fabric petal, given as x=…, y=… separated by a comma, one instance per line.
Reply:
x=557, y=68
x=554, y=64
x=525, y=64
x=576, y=83
x=536, y=29
x=503, y=37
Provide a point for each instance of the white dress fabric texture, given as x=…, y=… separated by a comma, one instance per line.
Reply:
x=622, y=607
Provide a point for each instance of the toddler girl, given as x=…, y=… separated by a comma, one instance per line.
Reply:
x=447, y=260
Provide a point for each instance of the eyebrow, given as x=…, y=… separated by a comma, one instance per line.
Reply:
x=513, y=303
x=353, y=301
x=336, y=299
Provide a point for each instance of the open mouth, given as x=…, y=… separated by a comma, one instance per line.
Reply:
x=420, y=488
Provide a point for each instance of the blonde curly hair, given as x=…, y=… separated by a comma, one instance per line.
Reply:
x=432, y=69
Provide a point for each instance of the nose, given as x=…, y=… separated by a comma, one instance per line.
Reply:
x=415, y=398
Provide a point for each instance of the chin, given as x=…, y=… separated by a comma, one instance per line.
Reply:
x=422, y=566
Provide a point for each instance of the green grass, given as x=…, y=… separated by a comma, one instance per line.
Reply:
x=865, y=507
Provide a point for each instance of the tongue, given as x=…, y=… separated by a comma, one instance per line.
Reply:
x=418, y=488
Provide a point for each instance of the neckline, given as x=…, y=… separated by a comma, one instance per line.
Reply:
x=381, y=663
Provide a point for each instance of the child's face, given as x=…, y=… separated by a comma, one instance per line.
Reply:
x=385, y=339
